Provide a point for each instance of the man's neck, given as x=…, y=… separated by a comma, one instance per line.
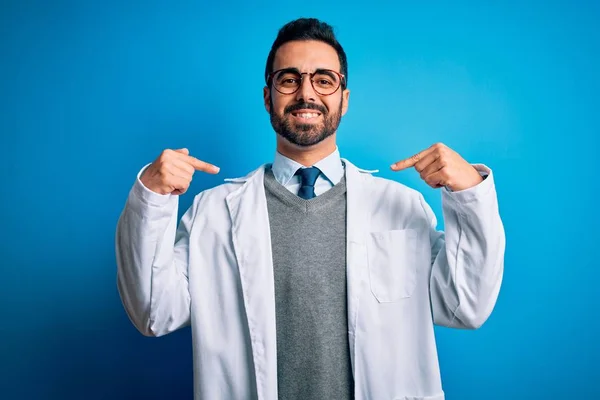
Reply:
x=306, y=156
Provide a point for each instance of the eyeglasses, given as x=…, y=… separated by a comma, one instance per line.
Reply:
x=325, y=82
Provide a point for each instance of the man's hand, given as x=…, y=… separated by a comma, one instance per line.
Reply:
x=441, y=166
x=172, y=172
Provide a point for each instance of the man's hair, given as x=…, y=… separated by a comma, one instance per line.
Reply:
x=307, y=29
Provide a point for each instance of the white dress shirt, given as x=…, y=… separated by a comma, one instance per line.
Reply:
x=331, y=167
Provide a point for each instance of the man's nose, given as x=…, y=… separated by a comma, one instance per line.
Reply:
x=305, y=91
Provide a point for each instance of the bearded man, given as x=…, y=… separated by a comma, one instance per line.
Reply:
x=310, y=278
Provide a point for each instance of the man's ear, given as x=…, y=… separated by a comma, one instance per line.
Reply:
x=345, y=99
x=267, y=98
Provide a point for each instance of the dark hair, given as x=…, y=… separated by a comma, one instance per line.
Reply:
x=307, y=29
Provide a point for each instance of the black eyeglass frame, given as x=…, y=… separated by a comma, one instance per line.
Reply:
x=341, y=77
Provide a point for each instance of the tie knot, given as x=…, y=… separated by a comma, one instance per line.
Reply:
x=308, y=175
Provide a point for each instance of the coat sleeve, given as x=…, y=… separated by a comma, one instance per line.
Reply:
x=468, y=259
x=152, y=261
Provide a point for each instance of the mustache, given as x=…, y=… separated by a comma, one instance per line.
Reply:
x=305, y=106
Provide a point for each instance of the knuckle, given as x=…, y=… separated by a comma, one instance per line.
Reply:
x=164, y=156
x=159, y=165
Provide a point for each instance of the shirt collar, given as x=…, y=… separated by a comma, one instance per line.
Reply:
x=331, y=167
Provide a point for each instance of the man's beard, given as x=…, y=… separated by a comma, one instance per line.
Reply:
x=305, y=134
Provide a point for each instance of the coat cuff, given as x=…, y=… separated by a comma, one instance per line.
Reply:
x=146, y=195
x=476, y=192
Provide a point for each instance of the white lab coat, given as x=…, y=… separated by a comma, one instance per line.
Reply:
x=215, y=272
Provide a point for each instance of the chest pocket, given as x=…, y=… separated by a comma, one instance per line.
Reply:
x=392, y=264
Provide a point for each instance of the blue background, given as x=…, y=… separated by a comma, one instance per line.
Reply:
x=91, y=92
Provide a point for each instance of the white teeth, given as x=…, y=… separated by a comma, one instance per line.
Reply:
x=308, y=115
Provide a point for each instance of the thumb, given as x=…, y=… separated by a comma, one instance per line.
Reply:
x=183, y=151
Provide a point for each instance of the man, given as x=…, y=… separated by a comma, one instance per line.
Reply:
x=310, y=278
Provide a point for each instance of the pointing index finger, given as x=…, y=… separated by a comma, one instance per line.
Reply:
x=200, y=165
x=411, y=161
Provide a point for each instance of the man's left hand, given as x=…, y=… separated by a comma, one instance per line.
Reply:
x=441, y=166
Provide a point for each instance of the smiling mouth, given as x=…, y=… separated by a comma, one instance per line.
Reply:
x=306, y=115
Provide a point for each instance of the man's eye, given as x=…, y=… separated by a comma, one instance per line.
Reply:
x=289, y=82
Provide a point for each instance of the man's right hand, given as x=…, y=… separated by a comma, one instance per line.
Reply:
x=172, y=171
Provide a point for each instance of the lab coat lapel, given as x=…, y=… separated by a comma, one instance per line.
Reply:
x=251, y=238
x=357, y=227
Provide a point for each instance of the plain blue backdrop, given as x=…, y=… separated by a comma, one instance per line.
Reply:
x=92, y=91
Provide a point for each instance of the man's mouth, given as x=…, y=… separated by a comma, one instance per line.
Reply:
x=306, y=115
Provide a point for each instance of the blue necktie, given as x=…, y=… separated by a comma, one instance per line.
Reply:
x=308, y=177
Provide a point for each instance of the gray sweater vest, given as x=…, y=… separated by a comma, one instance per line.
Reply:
x=308, y=240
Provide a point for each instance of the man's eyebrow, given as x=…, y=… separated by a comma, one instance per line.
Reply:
x=290, y=69
x=326, y=72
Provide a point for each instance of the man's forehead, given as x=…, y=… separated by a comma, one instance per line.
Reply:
x=306, y=54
